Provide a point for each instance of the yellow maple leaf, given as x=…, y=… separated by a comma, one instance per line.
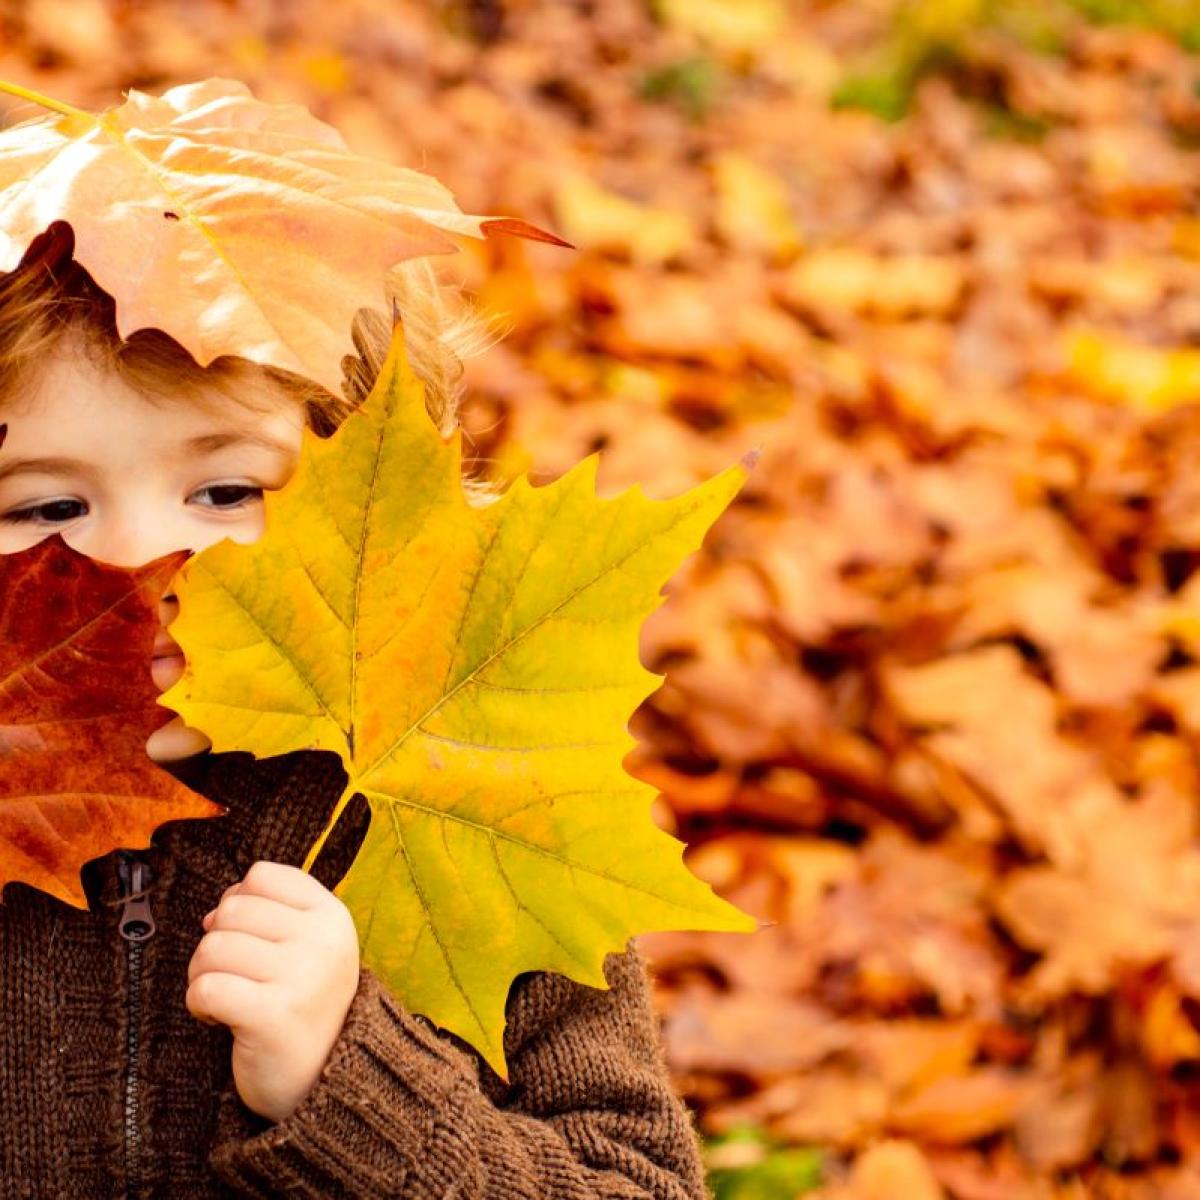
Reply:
x=851, y=279
x=280, y=230
x=752, y=207
x=598, y=219
x=736, y=26
x=474, y=667
x=1150, y=379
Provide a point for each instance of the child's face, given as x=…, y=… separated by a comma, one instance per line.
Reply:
x=126, y=480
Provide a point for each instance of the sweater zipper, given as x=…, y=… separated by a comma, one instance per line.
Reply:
x=136, y=926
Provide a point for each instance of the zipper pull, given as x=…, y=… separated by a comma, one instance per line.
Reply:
x=137, y=921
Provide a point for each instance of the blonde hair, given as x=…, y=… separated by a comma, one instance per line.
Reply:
x=51, y=296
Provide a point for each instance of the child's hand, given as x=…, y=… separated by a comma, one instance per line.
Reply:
x=279, y=965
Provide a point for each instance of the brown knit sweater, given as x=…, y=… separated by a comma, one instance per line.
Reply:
x=110, y=1087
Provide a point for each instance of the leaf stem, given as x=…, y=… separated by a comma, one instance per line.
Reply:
x=69, y=110
x=343, y=800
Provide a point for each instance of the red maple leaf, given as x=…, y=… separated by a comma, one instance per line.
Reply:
x=77, y=703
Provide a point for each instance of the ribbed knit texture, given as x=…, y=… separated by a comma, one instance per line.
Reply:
x=401, y=1109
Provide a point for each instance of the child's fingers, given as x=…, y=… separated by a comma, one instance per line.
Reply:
x=174, y=741
x=236, y=952
x=285, y=883
x=263, y=917
x=229, y=999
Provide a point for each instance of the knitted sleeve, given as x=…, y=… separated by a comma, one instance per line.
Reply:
x=401, y=1110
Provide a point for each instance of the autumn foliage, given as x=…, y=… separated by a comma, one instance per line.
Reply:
x=933, y=694
x=75, y=713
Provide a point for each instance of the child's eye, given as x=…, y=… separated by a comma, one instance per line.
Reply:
x=228, y=495
x=51, y=512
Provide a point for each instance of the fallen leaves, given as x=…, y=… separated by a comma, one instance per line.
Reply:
x=599, y=219
x=849, y=279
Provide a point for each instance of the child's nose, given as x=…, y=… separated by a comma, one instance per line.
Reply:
x=168, y=609
x=127, y=541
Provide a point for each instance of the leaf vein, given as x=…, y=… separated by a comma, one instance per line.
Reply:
x=506, y=646
x=489, y=831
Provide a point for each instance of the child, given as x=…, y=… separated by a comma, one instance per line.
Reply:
x=205, y=1027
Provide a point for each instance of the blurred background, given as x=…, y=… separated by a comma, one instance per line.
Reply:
x=932, y=696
